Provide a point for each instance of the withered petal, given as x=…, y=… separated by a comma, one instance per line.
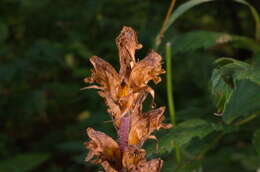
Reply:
x=103, y=147
x=107, y=167
x=134, y=161
x=156, y=117
x=105, y=75
x=127, y=44
x=145, y=70
x=132, y=157
x=114, y=109
x=154, y=165
x=143, y=126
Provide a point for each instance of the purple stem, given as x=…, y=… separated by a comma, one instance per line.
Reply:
x=123, y=132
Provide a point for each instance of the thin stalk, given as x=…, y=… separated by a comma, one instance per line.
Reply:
x=169, y=86
x=159, y=37
x=243, y=121
x=169, y=82
x=177, y=153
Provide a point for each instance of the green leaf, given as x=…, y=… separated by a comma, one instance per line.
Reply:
x=235, y=86
x=183, y=133
x=256, y=140
x=192, y=3
x=182, y=9
x=245, y=100
x=195, y=40
x=23, y=162
x=220, y=90
x=188, y=165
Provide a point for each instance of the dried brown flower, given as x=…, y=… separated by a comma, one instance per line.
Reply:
x=124, y=93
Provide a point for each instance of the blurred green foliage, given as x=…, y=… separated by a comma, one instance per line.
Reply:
x=44, y=51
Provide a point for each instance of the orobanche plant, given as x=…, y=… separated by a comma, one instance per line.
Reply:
x=124, y=94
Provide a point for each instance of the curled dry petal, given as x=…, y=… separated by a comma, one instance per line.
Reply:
x=147, y=69
x=107, y=167
x=104, y=148
x=105, y=75
x=143, y=126
x=154, y=165
x=132, y=157
x=134, y=161
x=127, y=44
x=114, y=109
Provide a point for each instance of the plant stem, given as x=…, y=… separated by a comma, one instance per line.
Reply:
x=243, y=121
x=177, y=153
x=169, y=82
x=159, y=37
x=169, y=86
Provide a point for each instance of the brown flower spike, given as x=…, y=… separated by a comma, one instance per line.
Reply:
x=124, y=94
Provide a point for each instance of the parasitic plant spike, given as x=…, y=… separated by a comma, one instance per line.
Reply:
x=124, y=93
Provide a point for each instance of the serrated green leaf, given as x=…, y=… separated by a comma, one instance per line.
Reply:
x=183, y=133
x=245, y=100
x=220, y=90
x=235, y=86
x=223, y=78
x=256, y=141
x=23, y=162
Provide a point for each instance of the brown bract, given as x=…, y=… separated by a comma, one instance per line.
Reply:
x=143, y=125
x=124, y=93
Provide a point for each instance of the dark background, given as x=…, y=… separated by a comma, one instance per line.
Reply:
x=44, y=50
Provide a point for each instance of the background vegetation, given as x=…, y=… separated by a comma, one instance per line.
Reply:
x=44, y=51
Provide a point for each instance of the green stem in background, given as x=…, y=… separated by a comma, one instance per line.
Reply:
x=170, y=94
x=169, y=82
x=243, y=121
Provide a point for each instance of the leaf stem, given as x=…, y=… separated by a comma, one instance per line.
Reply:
x=243, y=121
x=169, y=83
x=159, y=37
x=169, y=86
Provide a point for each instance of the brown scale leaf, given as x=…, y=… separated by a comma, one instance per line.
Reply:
x=107, y=167
x=114, y=108
x=147, y=69
x=127, y=44
x=134, y=161
x=105, y=75
x=153, y=165
x=144, y=124
x=104, y=148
